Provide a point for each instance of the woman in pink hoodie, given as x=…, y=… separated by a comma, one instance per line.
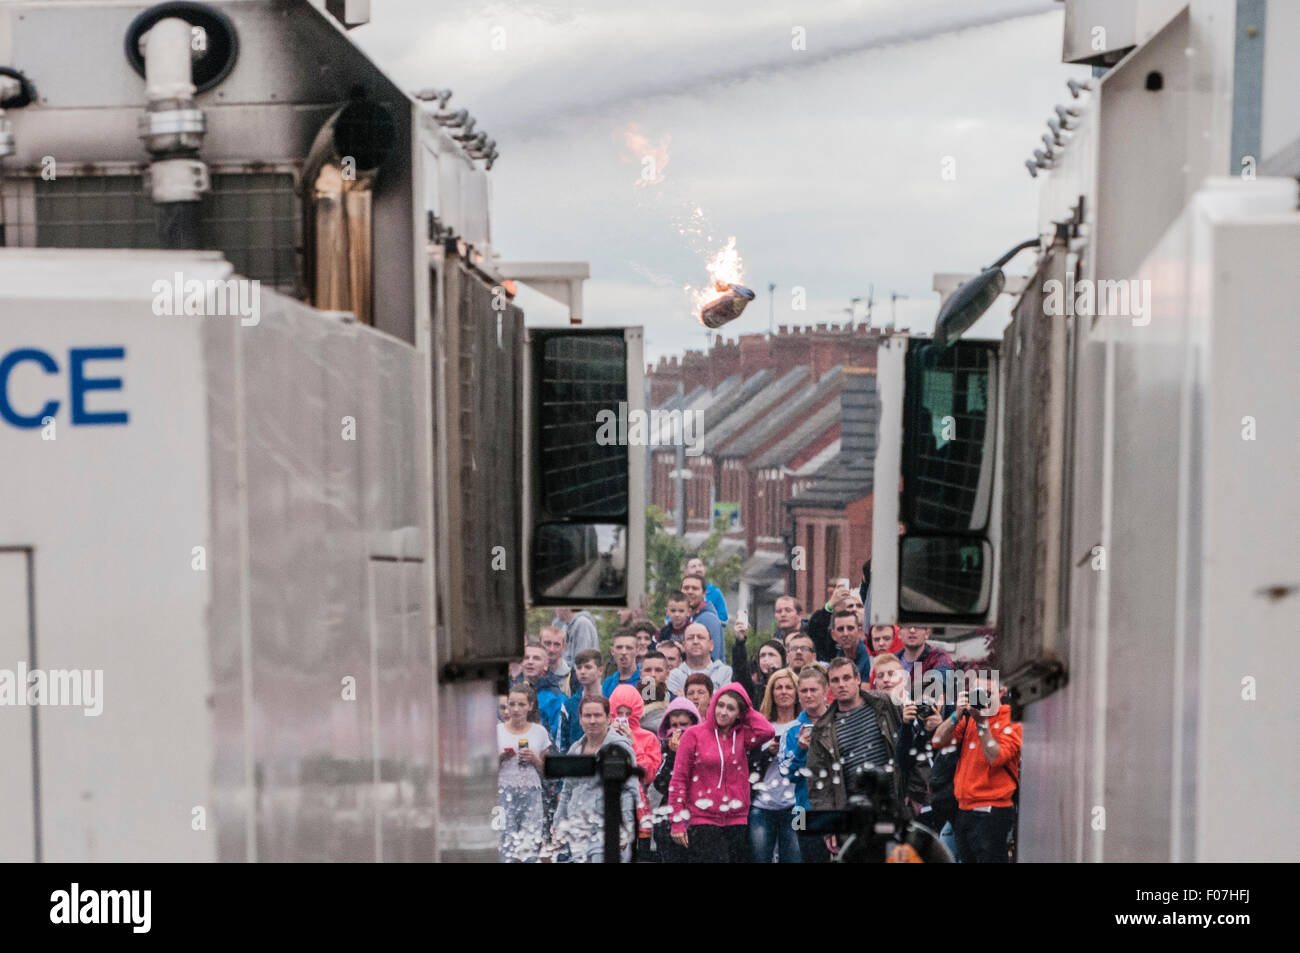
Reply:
x=709, y=792
x=627, y=707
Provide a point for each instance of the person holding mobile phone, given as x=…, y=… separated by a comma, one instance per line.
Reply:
x=813, y=699
x=771, y=835
x=628, y=707
x=771, y=656
x=520, y=807
x=681, y=714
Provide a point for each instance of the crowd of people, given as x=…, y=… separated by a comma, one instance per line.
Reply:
x=731, y=758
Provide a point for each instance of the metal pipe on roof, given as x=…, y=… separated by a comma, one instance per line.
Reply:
x=172, y=129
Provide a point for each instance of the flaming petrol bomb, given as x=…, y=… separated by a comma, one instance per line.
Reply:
x=727, y=307
x=729, y=296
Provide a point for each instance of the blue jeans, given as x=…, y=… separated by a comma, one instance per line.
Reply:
x=950, y=841
x=771, y=831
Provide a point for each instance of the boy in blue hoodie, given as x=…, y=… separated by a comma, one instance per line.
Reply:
x=794, y=755
x=587, y=670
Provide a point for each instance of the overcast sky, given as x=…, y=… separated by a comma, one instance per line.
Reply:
x=825, y=163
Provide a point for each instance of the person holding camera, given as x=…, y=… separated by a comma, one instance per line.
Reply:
x=988, y=770
x=858, y=731
x=916, y=755
x=628, y=707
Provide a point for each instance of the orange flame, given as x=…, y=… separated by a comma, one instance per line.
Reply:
x=652, y=159
x=725, y=268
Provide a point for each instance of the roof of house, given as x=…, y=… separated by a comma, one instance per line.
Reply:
x=820, y=459
x=785, y=449
x=790, y=415
x=724, y=404
x=718, y=430
x=763, y=569
x=721, y=401
x=849, y=476
x=699, y=399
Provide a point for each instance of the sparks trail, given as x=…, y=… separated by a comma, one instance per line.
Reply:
x=725, y=296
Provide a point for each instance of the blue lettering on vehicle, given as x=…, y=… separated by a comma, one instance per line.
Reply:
x=81, y=379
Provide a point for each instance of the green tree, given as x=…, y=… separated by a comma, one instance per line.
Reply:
x=665, y=554
x=723, y=573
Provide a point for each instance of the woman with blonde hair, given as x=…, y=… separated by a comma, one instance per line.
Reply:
x=770, y=830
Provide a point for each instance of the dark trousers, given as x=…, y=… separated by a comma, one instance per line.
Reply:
x=710, y=844
x=812, y=848
x=982, y=836
x=667, y=851
x=934, y=819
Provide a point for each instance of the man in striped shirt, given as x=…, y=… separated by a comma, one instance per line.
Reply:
x=859, y=729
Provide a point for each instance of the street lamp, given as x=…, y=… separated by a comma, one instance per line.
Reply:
x=969, y=302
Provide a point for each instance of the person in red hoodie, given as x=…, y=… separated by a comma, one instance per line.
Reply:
x=626, y=704
x=709, y=791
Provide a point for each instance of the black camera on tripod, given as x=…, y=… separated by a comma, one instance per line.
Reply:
x=874, y=823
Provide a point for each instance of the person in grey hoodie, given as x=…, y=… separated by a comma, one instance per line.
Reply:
x=695, y=648
x=579, y=632
x=580, y=817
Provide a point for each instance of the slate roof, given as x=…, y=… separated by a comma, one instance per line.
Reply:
x=791, y=416
x=804, y=433
x=849, y=476
x=719, y=429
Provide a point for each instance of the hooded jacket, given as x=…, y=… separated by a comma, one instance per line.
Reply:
x=794, y=760
x=665, y=774
x=564, y=678
x=579, y=633
x=579, y=818
x=710, y=783
x=717, y=600
x=978, y=783
x=719, y=674
x=644, y=744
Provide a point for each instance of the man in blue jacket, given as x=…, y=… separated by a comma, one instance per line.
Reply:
x=587, y=670
x=626, y=670
x=702, y=611
x=695, y=567
x=794, y=756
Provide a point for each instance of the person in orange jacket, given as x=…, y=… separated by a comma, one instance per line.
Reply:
x=988, y=771
x=626, y=703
